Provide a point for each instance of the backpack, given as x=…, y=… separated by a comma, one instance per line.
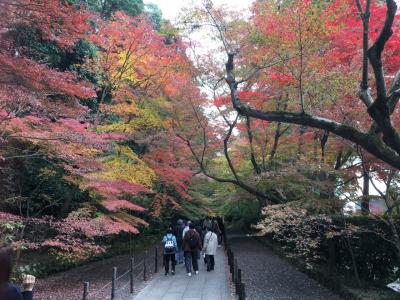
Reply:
x=192, y=241
x=169, y=247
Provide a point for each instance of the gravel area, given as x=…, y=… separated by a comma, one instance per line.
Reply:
x=267, y=276
x=68, y=285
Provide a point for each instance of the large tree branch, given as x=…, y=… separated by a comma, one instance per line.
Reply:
x=375, y=52
x=369, y=142
x=382, y=108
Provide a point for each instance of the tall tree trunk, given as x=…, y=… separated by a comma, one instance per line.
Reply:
x=365, y=198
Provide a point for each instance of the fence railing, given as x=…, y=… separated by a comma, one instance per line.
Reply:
x=133, y=273
x=236, y=272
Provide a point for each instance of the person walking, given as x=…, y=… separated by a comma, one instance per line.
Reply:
x=178, y=232
x=207, y=223
x=210, y=248
x=222, y=228
x=216, y=229
x=9, y=291
x=170, y=248
x=191, y=247
x=186, y=228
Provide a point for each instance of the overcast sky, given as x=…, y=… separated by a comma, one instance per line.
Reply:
x=171, y=8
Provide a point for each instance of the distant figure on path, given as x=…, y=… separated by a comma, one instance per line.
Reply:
x=170, y=248
x=222, y=228
x=210, y=248
x=198, y=229
x=216, y=229
x=186, y=228
x=191, y=247
x=7, y=290
x=178, y=232
x=207, y=223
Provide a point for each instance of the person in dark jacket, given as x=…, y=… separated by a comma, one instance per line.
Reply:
x=222, y=228
x=201, y=235
x=191, y=247
x=9, y=291
x=216, y=229
x=178, y=232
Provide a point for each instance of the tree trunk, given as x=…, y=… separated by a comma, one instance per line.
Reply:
x=365, y=198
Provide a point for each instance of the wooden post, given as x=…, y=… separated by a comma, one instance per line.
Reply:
x=113, y=282
x=231, y=267
x=238, y=284
x=86, y=291
x=235, y=270
x=144, y=270
x=131, y=274
x=156, y=261
x=243, y=292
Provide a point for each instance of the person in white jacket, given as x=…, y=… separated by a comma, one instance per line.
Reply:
x=210, y=248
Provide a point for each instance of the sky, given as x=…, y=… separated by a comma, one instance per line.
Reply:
x=171, y=8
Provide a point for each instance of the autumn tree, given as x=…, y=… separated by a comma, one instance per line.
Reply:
x=380, y=139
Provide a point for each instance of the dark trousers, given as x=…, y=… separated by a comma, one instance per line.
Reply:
x=167, y=258
x=191, y=259
x=210, y=262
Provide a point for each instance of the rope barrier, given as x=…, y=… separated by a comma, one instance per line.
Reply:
x=99, y=290
x=139, y=264
x=157, y=261
x=127, y=272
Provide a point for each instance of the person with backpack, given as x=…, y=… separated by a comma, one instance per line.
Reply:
x=170, y=248
x=210, y=248
x=178, y=232
x=191, y=247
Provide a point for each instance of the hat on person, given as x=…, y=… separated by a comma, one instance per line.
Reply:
x=180, y=221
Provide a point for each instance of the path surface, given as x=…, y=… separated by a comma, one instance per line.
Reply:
x=267, y=276
x=204, y=286
x=68, y=285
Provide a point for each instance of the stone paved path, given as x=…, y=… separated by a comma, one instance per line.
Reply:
x=204, y=286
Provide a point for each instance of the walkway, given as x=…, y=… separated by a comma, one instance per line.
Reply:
x=204, y=286
x=269, y=277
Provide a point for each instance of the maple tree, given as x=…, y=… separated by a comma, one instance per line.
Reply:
x=106, y=115
x=84, y=97
x=381, y=140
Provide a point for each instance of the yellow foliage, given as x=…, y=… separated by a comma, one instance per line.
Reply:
x=147, y=119
x=124, y=110
x=125, y=164
x=116, y=127
x=81, y=150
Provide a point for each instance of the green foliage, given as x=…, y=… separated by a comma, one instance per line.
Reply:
x=8, y=230
x=30, y=39
x=155, y=14
x=108, y=7
x=242, y=212
x=38, y=186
